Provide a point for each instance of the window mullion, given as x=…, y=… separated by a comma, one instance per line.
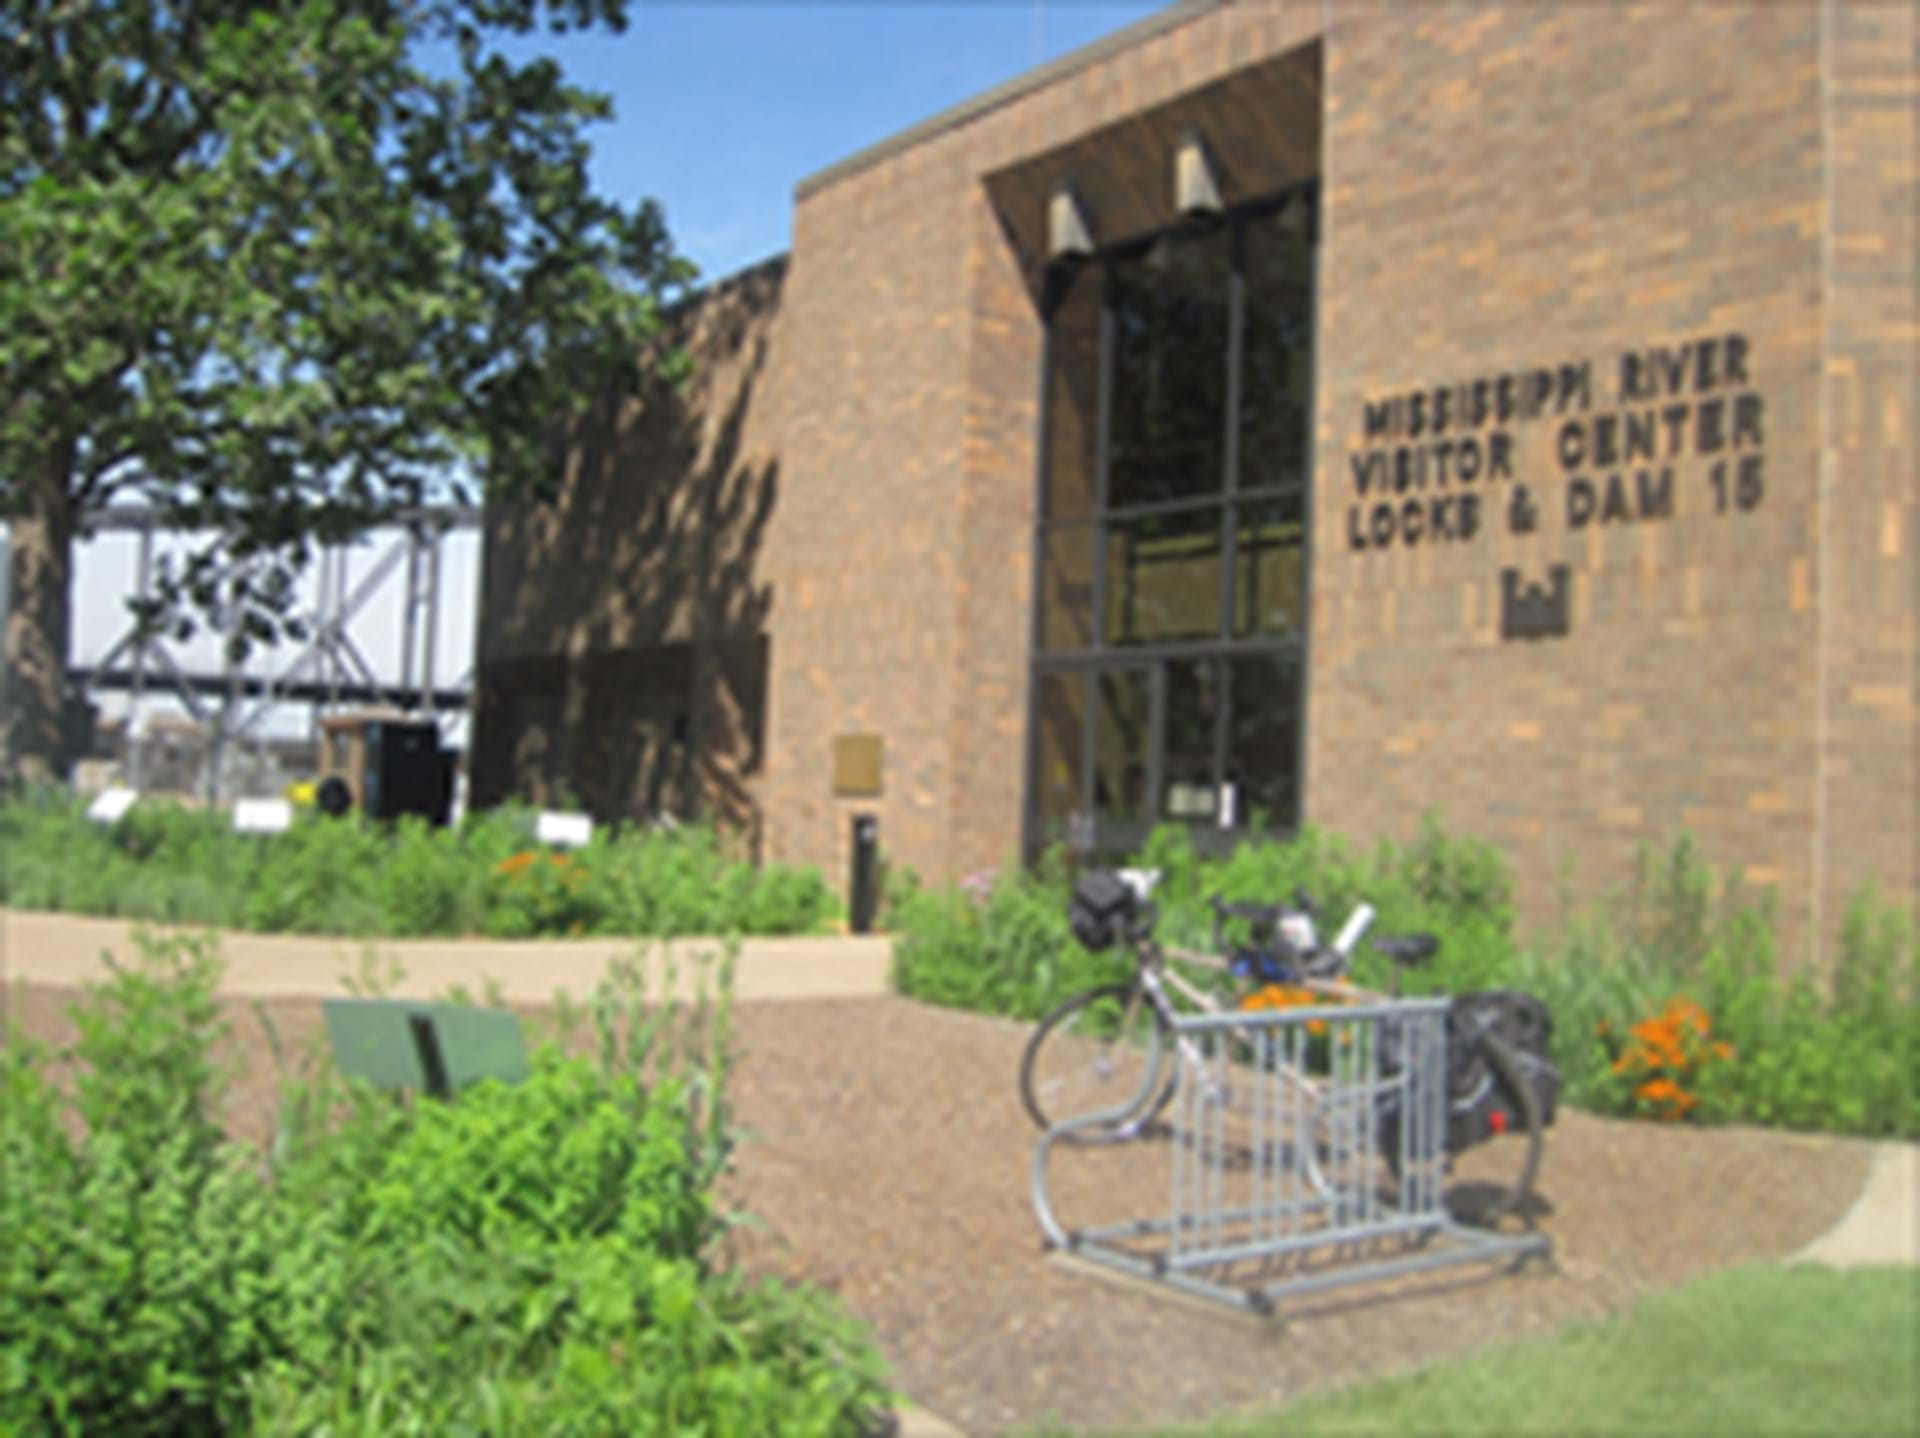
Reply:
x=1223, y=734
x=1103, y=465
x=1308, y=461
x=1230, y=482
x=1236, y=341
x=1156, y=741
x=1042, y=500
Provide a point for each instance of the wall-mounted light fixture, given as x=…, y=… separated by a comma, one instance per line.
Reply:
x=1196, y=185
x=1069, y=234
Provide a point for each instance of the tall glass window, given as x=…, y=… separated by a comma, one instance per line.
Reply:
x=1170, y=306
x=1172, y=549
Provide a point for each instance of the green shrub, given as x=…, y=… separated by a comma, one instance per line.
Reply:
x=532, y=893
x=139, y=1260
x=1006, y=950
x=427, y=885
x=168, y=863
x=161, y=862
x=786, y=899
x=674, y=882
x=1843, y=1057
x=535, y=1258
x=320, y=876
x=1009, y=950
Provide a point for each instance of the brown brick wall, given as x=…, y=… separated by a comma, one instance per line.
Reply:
x=620, y=624
x=1871, y=506
x=1544, y=185
x=864, y=634
x=988, y=724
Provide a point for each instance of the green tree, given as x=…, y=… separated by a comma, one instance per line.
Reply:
x=277, y=267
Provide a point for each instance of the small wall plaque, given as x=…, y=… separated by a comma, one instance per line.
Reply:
x=857, y=760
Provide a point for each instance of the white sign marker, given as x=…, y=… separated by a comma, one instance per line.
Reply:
x=566, y=831
x=110, y=806
x=262, y=816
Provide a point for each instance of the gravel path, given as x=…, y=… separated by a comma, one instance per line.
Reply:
x=887, y=1159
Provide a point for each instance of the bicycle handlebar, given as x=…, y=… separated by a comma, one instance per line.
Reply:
x=1321, y=960
x=1252, y=913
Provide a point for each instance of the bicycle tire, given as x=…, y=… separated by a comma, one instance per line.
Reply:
x=1520, y=1097
x=1111, y=1081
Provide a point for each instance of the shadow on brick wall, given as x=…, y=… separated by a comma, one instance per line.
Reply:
x=623, y=641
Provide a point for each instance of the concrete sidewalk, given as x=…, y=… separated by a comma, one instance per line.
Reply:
x=1883, y=1226
x=65, y=950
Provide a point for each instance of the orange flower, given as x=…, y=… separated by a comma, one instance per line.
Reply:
x=1685, y=1011
x=1284, y=996
x=1668, y=1056
x=1665, y=1091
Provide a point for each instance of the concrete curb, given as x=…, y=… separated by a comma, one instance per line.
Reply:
x=916, y=1422
x=65, y=950
x=1883, y=1226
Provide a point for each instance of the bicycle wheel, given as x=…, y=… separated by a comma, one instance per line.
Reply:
x=1099, y=1050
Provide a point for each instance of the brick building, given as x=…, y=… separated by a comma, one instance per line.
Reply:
x=1288, y=410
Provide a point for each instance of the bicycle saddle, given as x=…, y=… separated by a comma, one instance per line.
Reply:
x=1413, y=949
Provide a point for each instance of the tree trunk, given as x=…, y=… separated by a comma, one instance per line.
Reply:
x=39, y=620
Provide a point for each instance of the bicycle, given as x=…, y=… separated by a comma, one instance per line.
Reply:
x=1102, y=1048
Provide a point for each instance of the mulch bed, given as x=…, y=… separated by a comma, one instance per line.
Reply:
x=886, y=1157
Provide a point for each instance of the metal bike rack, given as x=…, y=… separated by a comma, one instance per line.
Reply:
x=1279, y=1142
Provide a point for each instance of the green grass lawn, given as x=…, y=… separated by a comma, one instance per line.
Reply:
x=1759, y=1350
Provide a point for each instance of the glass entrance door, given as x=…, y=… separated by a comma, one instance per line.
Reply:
x=1097, y=755
x=1128, y=710
x=1209, y=740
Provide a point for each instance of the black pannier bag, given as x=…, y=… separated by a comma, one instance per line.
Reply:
x=1477, y=1106
x=1103, y=906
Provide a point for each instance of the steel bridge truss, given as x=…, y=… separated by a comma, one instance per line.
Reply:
x=328, y=670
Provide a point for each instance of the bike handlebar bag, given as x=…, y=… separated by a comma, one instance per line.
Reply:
x=1103, y=904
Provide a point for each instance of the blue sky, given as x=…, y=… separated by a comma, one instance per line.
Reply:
x=722, y=108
